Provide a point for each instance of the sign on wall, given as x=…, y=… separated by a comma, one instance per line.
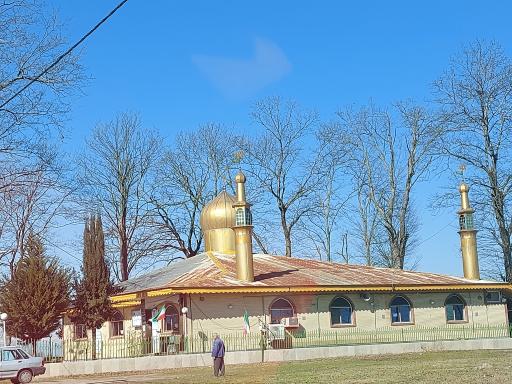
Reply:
x=136, y=318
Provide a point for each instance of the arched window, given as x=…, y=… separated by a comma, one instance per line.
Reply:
x=117, y=324
x=280, y=309
x=341, y=312
x=400, y=310
x=455, y=309
x=172, y=320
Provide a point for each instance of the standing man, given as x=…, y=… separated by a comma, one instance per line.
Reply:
x=218, y=351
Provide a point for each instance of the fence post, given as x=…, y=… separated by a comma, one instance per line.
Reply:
x=262, y=344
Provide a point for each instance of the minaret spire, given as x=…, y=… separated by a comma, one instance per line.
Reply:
x=243, y=232
x=467, y=234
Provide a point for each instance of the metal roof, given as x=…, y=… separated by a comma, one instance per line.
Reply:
x=214, y=272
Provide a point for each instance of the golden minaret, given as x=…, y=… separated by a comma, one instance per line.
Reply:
x=467, y=234
x=243, y=232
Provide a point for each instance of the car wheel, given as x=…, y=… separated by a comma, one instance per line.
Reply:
x=25, y=376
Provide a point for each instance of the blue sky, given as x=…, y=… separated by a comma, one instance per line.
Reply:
x=180, y=64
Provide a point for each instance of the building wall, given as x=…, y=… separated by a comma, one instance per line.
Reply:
x=106, y=341
x=223, y=313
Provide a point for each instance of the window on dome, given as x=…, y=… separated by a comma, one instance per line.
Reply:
x=243, y=216
x=240, y=217
x=400, y=311
x=466, y=221
x=248, y=216
x=341, y=312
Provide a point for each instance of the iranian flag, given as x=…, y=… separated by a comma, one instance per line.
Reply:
x=247, y=326
x=160, y=315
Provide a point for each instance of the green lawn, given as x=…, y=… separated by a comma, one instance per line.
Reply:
x=431, y=367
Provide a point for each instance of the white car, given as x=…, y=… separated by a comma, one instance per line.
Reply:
x=19, y=366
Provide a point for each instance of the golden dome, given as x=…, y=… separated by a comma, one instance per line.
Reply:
x=464, y=188
x=218, y=213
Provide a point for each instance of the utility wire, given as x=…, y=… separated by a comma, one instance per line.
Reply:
x=63, y=250
x=91, y=31
x=437, y=232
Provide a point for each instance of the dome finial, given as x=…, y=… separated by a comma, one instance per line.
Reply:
x=240, y=177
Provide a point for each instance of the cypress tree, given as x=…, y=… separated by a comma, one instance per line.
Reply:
x=92, y=306
x=36, y=295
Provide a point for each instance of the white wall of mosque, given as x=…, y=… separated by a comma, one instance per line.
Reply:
x=224, y=313
x=313, y=311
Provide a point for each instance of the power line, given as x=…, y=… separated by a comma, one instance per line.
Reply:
x=63, y=250
x=436, y=233
x=91, y=31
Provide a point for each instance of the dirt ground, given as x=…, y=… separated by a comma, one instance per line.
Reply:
x=476, y=367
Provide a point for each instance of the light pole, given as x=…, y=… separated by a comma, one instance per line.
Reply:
x=4, y=317
x=184, y=311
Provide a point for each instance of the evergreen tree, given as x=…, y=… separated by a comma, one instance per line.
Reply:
x=92, y=306
x=36, y=295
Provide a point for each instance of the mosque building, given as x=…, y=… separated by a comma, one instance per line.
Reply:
x=229, y=289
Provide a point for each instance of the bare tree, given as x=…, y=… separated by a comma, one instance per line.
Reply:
x=29, y=41
x=278, y=160
x=389, y=158
x=115, y=173
x=31, y=204
x=329, y=198
x=366, y=225
x=31, y=189
x=475, y=96
x=200, y=166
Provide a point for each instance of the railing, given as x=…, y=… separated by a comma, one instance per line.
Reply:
x=302, y=339
x=132, y=346
x=122, y=347
x=51, y=350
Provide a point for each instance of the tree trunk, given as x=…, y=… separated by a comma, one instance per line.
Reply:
x=286, y=233
x=506, y=249
x=93, y=342
x=123, y=258
x=288, y=243
x=123, y=248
